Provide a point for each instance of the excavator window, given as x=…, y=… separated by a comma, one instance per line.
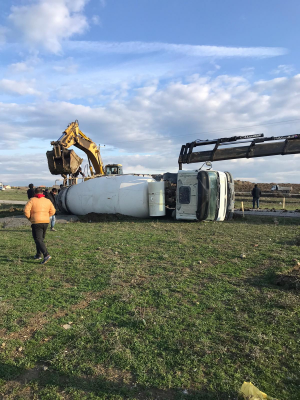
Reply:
x=112, y=170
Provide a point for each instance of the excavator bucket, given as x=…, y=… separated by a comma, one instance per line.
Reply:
x=67, y=163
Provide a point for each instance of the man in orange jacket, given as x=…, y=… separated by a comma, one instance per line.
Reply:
x=39, y=210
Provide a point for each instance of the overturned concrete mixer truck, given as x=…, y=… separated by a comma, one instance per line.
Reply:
x=196, y=195
x=203, y=195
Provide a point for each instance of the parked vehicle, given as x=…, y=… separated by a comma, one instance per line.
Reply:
x=282, y=189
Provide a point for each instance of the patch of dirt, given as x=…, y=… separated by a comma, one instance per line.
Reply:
x=35, y=324
x=14, y=390
x=4, y=307
x=290, y=279
x=94, y=217
x=19, y=386
x=41, y=319
x=113, y=374
x=30, y=375
x=160, y=394
x=14, y=222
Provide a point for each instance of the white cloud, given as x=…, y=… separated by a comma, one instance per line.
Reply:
x=3, y=33
x=248, y=72
x=186, y=49
x=45, y=23
x=19, y=67
x=75, y=5
x=283, y=70
x=96, y=19
x=25, y=65
x=18, y=87
x=151, y=125
x=67, y=66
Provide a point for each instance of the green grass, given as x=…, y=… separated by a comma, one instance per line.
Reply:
x=154, y=308
x=10, y=210
x=13, y=194
x=291, y=204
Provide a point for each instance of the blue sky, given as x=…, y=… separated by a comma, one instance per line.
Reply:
x=143, y=77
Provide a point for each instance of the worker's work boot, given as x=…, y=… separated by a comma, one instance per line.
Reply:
x=46, y=259
x=53, y=230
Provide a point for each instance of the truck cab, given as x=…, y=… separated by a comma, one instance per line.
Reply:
x=204, y=195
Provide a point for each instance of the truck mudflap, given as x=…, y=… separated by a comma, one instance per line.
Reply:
x=203, y=195
x=230, y=196
x=66, y=163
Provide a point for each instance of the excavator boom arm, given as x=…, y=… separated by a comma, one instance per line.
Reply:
x=73, y=136
x=93, y=153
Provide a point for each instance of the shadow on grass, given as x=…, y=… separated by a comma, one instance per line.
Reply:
x=98, y=386
x=293, y=242
x=13, y=230
x=10, y=214
x=275, y=280
x=27, y=259
x=265, y=220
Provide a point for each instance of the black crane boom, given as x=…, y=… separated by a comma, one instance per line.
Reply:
x=259, y=146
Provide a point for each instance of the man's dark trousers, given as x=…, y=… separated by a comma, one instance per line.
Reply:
x=39, y=233
x=255, y=200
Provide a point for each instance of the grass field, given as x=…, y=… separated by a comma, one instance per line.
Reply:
x=133, y=309
x=9, y=210
x=13, y=194
x=291, y=204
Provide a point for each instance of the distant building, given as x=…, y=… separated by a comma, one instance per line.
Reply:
x=7, y=187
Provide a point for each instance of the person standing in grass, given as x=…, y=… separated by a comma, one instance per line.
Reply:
x=39, y=210
x=30, y=191
x=52, y=197
x=256, y=193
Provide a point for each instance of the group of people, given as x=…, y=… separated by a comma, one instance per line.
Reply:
x=40, y=210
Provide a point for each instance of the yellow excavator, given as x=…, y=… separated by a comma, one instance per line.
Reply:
x=62, y=161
